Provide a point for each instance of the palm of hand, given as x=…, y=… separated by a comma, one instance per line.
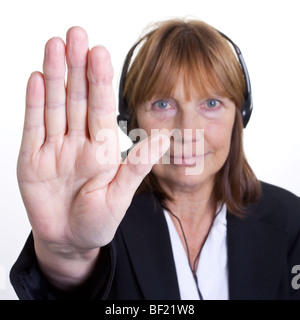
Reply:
x=71, y=199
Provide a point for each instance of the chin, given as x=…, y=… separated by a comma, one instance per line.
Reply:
x=177, y=177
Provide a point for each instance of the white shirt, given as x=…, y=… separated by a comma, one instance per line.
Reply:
x=212, y=271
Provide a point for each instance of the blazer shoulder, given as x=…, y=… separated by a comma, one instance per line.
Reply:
x=280, y=197
x=279, y=207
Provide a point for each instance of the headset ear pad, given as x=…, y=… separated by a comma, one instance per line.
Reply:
x=247, y=110
x=247, y=106
x=124, y=114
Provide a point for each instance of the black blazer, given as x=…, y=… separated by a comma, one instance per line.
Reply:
x=263, y=247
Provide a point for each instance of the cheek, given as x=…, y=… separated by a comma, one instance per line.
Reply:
x=144, y=121
x=218, y=138
x=151, y=125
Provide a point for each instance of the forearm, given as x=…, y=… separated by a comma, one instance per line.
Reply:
x=65, y=269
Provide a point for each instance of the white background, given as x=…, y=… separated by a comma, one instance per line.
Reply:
x=267, y=32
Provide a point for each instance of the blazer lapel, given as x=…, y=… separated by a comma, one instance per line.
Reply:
x=147, y=240
x=254, y=257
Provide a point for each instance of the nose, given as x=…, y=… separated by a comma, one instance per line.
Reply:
x=187, y=122
x=187, y=135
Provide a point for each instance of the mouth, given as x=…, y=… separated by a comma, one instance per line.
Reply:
x=187, y=161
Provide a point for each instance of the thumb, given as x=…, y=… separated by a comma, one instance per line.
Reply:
x=138, y=164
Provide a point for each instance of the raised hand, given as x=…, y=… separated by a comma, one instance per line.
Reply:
x=74, y=201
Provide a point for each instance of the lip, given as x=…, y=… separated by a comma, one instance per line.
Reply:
x=190, y=161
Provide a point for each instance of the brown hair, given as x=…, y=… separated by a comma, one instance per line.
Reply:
x=197, y=51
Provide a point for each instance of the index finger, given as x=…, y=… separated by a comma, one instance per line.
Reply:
x=101, y=101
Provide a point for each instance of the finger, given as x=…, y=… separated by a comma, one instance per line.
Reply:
x=101, y=101
x=34, y=126
x=54, y=74
x=76, y=53
x=139, y=163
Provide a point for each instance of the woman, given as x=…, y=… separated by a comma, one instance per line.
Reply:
x=200, y=226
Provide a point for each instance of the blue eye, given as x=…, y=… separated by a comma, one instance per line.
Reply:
x=212, y=103
x=161, y=104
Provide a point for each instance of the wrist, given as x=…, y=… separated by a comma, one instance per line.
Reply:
x=65, y=266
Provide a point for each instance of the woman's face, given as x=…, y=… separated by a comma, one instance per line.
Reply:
x=194, y=156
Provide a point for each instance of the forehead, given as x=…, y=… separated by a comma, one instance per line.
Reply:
x=179, y=95
x=187, y=83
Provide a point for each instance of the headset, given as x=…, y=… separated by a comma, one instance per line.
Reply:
x=246, y=108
